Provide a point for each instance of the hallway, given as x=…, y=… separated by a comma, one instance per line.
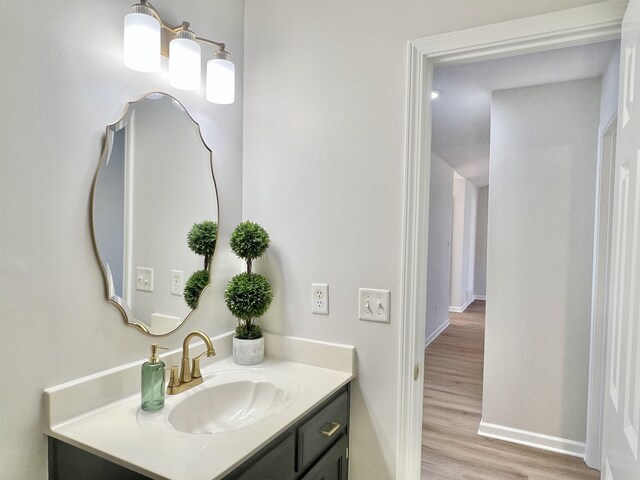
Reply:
x=451, y=447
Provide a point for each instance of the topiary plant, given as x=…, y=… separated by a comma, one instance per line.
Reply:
x=249, y=241
x=248, y=295
x=202, y=239
x=194, y=286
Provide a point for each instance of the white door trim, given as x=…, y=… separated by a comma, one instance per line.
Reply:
x=577, y=26
x=600, y=286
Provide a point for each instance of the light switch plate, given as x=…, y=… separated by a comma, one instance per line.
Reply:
x=373, y=305
x=320, y=299
x=144, y=279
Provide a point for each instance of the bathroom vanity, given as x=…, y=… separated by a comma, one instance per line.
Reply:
x=296, y=428
x=314, y=448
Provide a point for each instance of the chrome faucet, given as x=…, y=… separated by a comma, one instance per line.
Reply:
x=189, y=378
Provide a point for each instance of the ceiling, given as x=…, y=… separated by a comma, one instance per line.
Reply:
x=462, y=113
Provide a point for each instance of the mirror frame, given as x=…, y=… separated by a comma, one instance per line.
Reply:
x=112, y=298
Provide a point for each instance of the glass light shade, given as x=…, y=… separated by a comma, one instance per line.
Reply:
x=184, y=64
x=221, y=81
x=141, y=42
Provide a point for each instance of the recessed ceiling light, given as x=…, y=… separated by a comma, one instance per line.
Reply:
x=435, y=94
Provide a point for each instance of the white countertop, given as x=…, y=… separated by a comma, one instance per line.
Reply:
x=113, y=432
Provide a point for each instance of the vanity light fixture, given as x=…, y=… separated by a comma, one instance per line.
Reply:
x=147, y=37
x=435, y=94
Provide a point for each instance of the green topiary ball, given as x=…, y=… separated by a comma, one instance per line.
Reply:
x=249, y=240
x=248, y=296
x=202, y=237
x=194, y=286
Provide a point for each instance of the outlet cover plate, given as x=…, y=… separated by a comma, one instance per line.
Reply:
x=320, y=299
x=373, y=305
x=177, y=282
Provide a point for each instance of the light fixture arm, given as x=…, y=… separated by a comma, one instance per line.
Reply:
x=220, y=45
x=169, y=32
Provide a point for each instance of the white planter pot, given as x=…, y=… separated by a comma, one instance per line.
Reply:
x=248, y=352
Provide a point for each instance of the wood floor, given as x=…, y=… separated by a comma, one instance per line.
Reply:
x=451, y=447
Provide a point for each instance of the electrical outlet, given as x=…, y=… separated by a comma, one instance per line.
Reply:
x=373, y=305
x=320, y=298
x=144, y=279
x=177, y=283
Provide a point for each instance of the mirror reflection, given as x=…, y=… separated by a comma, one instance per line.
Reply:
x=153, y=184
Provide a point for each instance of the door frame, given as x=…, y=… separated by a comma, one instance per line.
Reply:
x=577, y=26
x=605, y=182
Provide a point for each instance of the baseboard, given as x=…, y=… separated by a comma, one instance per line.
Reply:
x=462, y=308
x=479, y=297
x=435, y=334
x=532, y=439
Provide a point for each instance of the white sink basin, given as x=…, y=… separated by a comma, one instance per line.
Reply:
x=229, y=400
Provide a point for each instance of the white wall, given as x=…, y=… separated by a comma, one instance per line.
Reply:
x=539, y=259
x=65, y=84
x=463, y=234
x=439, y=251
x=480, y=273
x=469, y=247
x=457, y=243
x=325, y=93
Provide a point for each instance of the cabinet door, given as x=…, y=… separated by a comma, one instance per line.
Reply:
x=67, y=462
x=277, y=464
x=332, y=465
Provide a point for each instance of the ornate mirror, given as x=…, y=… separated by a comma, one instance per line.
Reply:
x=153, y=184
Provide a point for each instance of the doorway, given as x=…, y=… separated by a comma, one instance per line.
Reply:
x=578, y=26
x=541, y=219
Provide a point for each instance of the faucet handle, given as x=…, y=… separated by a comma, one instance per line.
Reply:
x=195, y=366
x=174, y=380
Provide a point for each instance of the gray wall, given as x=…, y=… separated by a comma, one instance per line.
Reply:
x=480, y=273
x=539, y=259
x=67, y=81
x=439, y=255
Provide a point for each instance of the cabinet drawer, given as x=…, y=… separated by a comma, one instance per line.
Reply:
x=321, y=431
x=277, y=464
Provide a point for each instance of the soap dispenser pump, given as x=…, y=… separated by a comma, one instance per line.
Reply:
x=152, y=386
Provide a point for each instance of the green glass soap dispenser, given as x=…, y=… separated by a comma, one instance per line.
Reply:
x=152, y=386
